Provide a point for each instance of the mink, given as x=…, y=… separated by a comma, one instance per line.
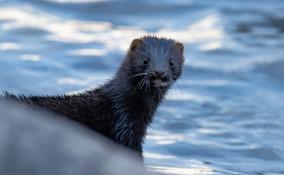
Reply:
x=123, y=108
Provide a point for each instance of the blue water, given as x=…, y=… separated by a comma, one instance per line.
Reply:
x=225, y=115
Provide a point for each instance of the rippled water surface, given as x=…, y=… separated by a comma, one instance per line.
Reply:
x=226, y=114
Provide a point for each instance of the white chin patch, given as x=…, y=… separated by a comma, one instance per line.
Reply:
x=160, y=83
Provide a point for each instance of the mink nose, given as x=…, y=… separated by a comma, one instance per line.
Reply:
x=160, y=74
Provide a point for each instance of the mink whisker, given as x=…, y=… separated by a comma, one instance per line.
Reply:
x=141, y=83
x=144, y=73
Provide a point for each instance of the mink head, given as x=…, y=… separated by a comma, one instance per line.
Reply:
x=155, y=62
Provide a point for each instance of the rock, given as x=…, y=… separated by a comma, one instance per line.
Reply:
x=33, y=142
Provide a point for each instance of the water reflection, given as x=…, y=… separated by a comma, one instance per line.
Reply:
x=9, y=46
x=75, y=1
x=88, y=52
x=184, y=171
x=30, y=57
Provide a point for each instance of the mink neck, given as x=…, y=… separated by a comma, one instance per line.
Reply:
x=132, y=108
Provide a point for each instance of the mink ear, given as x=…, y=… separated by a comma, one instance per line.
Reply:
x=179, y=46
x=135, y=44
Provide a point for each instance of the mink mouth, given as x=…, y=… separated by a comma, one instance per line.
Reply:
x=160, y=83
x=154, y=81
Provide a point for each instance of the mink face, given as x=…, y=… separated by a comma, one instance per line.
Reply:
x=155, y=62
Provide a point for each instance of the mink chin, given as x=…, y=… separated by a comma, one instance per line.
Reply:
x=123, y=108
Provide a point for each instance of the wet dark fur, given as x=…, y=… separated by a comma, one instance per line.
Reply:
x=120, y=110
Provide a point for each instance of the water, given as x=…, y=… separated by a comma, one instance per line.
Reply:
x=226, y=114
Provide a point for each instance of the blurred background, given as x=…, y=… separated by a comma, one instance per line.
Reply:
x=225, y=115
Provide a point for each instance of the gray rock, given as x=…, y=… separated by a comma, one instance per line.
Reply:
x=33, y=142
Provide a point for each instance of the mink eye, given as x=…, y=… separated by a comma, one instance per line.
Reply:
x=171, y=63
x=145, y=61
